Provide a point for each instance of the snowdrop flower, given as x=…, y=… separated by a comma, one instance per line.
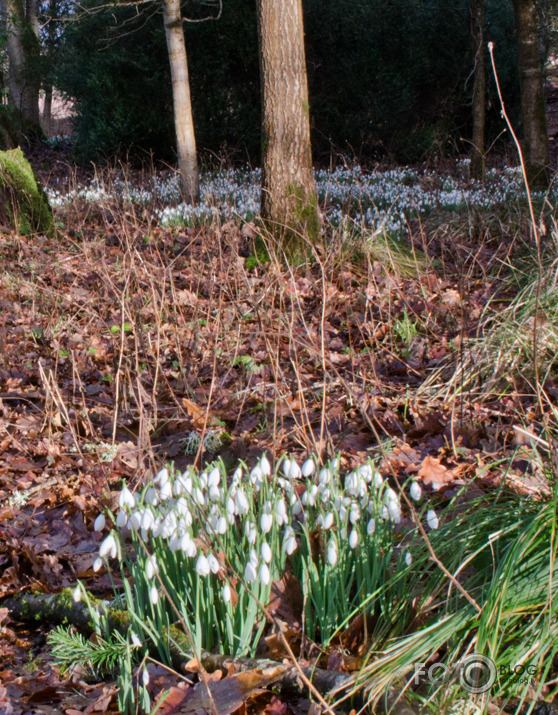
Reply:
x=136, y=641
x=241, y=503
x=332, y=553
x=390, y=496
x=100, y=522
x=415, y=491
x=266, y=519
x=353, y=539
x=108, y=547
x=165, y=491
x=366, y=473
x=151, y=567
x=328, y=520
x=126, y=499
x=296, y=506
x=256, y=476
x=213, y=562
x=76, y=595
x=254, y=557
x=354, y=513
x=408, y=558
x=378, y=480
x=324, y=477
x=97, y=564
x=214, y=493
x=295, y=471
x=202, y=566
x=214, y=478
x=230, y=506
x=135, y=520
x=147, y=520
x=145, y=677
x=184, y=542
x=432, y=519
x=265, y=466
x=121, y=519
x=384, y=513
x=394, y=511
x=227, y=593
x=308, y=468
x=162, y=477
x=153, y=595
x=250, y=573
x=266, y=552
x=289, y=541
x=264, y=574
x=281, y=512
x=371, y=528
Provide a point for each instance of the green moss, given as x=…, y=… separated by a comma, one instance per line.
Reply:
x=25, y=205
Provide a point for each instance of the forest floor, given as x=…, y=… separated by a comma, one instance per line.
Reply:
x=126, y=345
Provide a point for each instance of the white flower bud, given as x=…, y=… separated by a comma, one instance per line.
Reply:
x=308, y=468
x=126, y=499
x=432, y=519
x=250, y=573
x=265, y=466
x=108, y=547
x=202, y=566
x=266, y=552
x=100, y=522
x=332, y=553
x=353, y=539
x=76, y=595
x=264, y=574
x=153, y=595
x=415, y=491
x=226, y=593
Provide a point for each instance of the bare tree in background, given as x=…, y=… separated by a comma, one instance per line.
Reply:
x=288, y=192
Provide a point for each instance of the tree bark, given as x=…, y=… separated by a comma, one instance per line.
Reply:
x=533, y=101
x=183, y=120
x=288, y=192
x=476, y=10
x=20, y=18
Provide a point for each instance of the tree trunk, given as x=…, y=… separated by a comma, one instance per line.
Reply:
x=47, y=111
x=183, y=120
x=476, y=10
x=22, y=42
x=533, y=101
x=289, y=204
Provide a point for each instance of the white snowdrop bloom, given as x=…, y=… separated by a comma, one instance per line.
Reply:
x=147, y=520
x=266, y=552
x=335, y=464
x=214, y=478
x=324, y=477
x=165, y=491
x=250, y=573
x=415, y=491
x=251, y=532
x=286, y=467
x=256, y=476
x=186, y=481
x=320, y=521
x=352, y=485
x=326, y=496
x=151, y=496
x=264, y=574
x=254, y=560
x=365, y=472
x=265, y=466
x=227, y=595
x=342, y=513
x=203, y=480
x=308, y=468
x=390, y=496
x=266, y=522
x=312, y=495
x=353, y=539
x=162, y=477
x=168, y=526
x=371, y=527
x=304, y=498
x=198, y=496
x=181, y=507
x=432, y=519
x=191, y=552
x=297, y=507
x=76, y=595
x=328, y=520
x=174, y=542
x=281, y=512
x=214, y=493
x=97, y=564
x=126, y=499
x=237, y=476
x=378, y=480
x=136, y=641
x=221, y=526
x=151, y=567
x=394, y=511
x=408, y=558
x=184, y=542
x=436, y=486
x=294, y=471
x=135, y=520
x=153, y=595
x=241, y=503
x=202, y=566
x=121, y=519
x=290, y=545
x=230, y=506
x=332, y=553
x=108, y=547
x=100, y=522
x=384, y=513
x=354, y=513
x=145, y=677
x=213, y=562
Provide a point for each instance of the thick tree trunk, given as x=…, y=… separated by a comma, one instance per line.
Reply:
x=476, y=9
x=288, y=191
x=22, y=42
x=533, y=101
x=183, y=120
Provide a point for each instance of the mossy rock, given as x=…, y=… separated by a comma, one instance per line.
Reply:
x=23, y=203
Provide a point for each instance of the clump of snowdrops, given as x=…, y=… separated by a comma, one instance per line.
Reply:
x=201, y=551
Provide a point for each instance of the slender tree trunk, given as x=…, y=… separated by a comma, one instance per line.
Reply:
x=46, y=121
x=183, y=120
x=476, y=10
x=288, y=191
x=22, y=42
x=533, y=100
